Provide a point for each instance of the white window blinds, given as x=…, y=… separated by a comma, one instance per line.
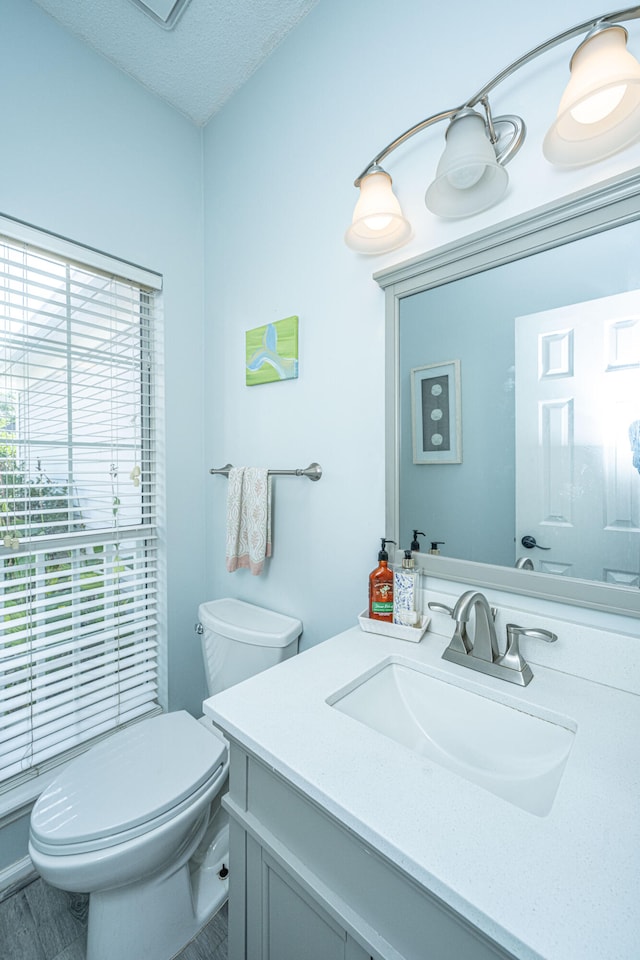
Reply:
x=78, y=564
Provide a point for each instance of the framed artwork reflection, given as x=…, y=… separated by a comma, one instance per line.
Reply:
x=435, y=413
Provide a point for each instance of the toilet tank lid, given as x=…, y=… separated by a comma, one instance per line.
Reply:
x=249, y=623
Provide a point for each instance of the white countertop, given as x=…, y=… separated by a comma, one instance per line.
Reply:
x=561, y=887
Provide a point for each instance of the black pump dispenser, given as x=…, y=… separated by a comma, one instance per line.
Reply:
x=415, y=545
x=383, y=555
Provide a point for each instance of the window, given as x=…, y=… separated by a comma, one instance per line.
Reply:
x=78, y=544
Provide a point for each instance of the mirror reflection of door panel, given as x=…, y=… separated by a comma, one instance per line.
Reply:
x=577, y=421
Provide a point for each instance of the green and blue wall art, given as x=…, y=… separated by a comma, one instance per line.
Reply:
x=272, y=352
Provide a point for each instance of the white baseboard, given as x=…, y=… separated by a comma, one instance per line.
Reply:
x=16, y=876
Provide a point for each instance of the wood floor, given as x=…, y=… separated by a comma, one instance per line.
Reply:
x=42, y=923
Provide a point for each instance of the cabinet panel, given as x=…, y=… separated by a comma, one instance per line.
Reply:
x=307, y=888
x=238, y=866
x=293, y=927
x=391, y=911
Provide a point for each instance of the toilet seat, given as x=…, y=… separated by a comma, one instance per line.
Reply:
x=165, y=764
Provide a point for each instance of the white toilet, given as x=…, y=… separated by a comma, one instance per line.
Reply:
x=136, y=821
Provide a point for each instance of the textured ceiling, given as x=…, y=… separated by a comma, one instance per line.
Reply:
x=213, y=49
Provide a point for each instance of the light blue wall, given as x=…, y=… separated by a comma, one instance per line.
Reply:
x=279, y=164
x=88, y=154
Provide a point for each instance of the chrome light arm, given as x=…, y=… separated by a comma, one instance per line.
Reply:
x=503, y=156
x=606, y=19
x=411, y=132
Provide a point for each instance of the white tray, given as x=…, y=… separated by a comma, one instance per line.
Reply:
x=397, y=630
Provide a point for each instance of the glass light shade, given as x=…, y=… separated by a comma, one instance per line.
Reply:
x=378, y=224
x=468, y=178
x=599, y=112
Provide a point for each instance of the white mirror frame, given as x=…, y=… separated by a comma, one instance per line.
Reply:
x=609, y=204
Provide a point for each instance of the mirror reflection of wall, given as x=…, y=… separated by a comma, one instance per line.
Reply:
x=471, y=505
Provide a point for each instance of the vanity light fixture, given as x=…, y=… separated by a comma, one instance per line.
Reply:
x=599, y=114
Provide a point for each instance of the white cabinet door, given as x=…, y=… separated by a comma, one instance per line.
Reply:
x=294, y=926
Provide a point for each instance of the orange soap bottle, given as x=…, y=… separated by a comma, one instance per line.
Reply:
x=381, y=587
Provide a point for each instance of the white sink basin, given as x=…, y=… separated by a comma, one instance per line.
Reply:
x=497, y=745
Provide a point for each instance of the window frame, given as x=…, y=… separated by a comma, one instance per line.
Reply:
x=16, y=792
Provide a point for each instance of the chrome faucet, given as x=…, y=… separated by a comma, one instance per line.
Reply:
x=485, y=642
x=481, y=653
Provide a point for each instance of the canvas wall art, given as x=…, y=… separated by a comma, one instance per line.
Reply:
x=272, y=352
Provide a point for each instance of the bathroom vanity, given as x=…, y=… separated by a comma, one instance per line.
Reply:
x=387, y=803
x=353, y=838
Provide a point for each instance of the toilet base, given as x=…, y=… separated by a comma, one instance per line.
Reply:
x=210, y=866
x=156, y=920
x=158, y=916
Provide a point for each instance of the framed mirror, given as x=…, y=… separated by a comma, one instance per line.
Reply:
x=513, y=402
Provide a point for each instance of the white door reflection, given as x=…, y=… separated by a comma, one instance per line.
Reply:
x=578, y=438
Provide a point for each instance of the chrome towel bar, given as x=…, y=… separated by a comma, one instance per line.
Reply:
x=313, y=471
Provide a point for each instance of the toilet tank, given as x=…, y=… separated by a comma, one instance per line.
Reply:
x=240, y=639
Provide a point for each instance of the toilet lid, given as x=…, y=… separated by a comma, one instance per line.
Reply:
x=134, y=776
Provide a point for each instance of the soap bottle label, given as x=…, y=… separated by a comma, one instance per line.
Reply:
x=384, y=607
x=382, y=600
x=406, y=597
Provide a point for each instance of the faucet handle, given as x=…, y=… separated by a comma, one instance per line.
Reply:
x=512, y=658
x=460, y=640
x=440, y=608
x=538, y=633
